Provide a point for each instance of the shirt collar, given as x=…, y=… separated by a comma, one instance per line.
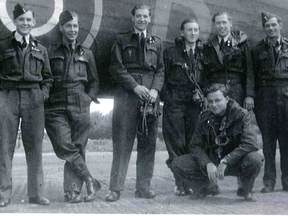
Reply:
x=74, y=44
x=278, y=40
x=139, y=32
x=225, y=38
x=189, y=47
x=18, y=37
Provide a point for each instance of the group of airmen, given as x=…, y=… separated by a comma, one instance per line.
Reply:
x=209, y=92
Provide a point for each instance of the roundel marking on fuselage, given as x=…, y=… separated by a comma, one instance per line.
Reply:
x=98, y=6
x=161, y=17
x=41, y=30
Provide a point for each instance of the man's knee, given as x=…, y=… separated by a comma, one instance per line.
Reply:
x=181, y=163
x=253, y=161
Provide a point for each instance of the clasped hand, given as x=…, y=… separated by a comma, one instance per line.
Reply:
x=215, y=173
x=145, y=94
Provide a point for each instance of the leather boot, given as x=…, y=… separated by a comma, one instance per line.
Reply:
x=92, y=186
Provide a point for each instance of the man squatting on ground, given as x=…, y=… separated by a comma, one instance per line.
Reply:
x=225, y=143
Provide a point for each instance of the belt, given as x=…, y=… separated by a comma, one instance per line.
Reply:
x=68, y=85
x=18, y=85
x=273, y=83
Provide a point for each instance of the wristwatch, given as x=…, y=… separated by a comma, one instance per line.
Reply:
x=224, y=161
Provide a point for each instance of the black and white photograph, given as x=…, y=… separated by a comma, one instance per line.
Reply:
x=144, y=107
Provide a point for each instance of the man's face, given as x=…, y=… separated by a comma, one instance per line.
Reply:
x=24, y=23
x=273, y=28
x=141, y=19
x=217, y=102
x=190, y=32
x=223, y=25
x=70, y=30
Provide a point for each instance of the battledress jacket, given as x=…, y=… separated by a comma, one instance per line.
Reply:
x=27, y=69
x=178, y=66
x=241, y=129
x=236, y=62
x=129, y=69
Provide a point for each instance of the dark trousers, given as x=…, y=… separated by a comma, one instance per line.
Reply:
x=27, y=104
x=188, y=169
x=67, y=124
x=179, y=121
x=272, y=117
x=124, y=128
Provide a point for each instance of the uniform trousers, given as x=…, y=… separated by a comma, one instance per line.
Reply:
x=67, y=123
x=272, y=117
x=27, y=105
x=179, y=121
x=188, y=169
x=125, y=120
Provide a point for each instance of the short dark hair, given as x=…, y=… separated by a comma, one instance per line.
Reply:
x=215, y=87
x=141, y=6
x=220, y=14
x=189, y=20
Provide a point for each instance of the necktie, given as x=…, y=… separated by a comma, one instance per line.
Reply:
x=191, y=54
x=275, y=49
x=24, y=43
x=142, y=40
x=221, y=44
x=70, y=48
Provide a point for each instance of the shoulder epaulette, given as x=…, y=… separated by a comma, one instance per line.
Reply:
x=205, y=113
x=2, y=39
x=155, y=36
x=260, y=43
x=120, y=33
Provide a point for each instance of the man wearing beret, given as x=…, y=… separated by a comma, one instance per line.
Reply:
x=270, y=60
x=67, y=111
x=25, y=81
x=137, y=66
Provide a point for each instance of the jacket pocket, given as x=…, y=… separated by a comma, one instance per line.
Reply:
x=265, y=66
x=130, y=54
x=8, y=62
x=151, y=56
x=80, y=65
x=57, y=65
x=36, y=63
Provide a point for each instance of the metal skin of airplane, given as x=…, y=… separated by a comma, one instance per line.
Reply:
x=101, y=20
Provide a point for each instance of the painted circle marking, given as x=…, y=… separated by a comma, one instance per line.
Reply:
x=98, y=6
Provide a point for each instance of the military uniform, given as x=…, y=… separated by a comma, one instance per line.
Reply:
x=25, y=80
x=67, y=111
x=271, y=78
x=180, y=111
x=232, y=64
x=243, y=160
x=131, y=67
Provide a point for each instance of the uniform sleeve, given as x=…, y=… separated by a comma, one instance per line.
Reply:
x=47, y=76
x=251, y=139
x=249, y=78
x=117, y=69
x=254, y=54
x=92, y=88
x=197, y=145
x=158, y=80
x=167, y=67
